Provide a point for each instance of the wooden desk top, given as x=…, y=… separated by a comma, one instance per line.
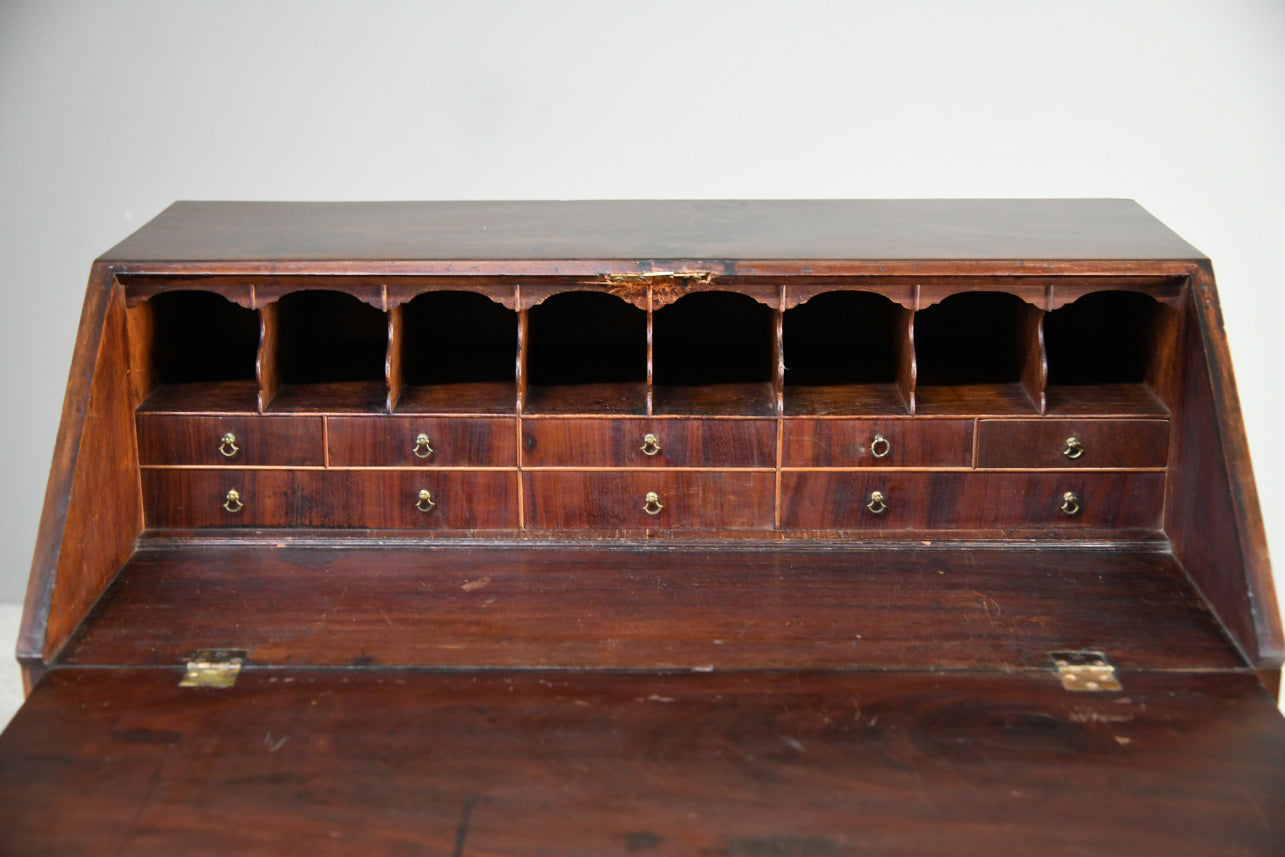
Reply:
x=1026, y=229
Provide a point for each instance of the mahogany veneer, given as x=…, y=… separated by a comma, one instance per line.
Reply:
x=715, y=527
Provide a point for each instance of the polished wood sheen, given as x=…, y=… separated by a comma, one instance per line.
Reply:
x=653, y=229
x=969, y=501
x=393, y=442
x=686, y=607
x=622, y=443
x=1098, y=443
x=906, y=443
x=464, y=500
x=713, y=500
x=167, y=439
x=735, y=528
x=363, y=761
x=92, y=514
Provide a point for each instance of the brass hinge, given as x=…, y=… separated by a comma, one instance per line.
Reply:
x=213, y=668
x=1086, y=671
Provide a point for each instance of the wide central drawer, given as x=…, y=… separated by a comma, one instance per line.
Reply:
x=458, y=500
x=554, y=442
x=836, y=500
x=663, y=500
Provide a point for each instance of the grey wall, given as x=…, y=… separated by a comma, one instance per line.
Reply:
x=110, y=110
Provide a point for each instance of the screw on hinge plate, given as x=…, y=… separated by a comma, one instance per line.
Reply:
x=213, y=668
x=1086, y=671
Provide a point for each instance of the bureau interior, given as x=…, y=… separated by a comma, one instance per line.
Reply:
x=964, y=480
x=846, y=351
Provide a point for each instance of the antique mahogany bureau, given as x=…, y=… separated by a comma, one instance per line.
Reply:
x=738, y=528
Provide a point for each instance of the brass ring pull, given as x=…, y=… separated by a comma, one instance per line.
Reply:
x=880, y=446
x=227, y=445
x=1074, y=449
x=651, y=444
x=425, y=501
x=878, y=505
x=651, y=503
x=423, y=446
x=233, y=501
x=1070, y=503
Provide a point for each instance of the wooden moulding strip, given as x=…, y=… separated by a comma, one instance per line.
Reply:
x=393, y=361
x=780, y=403
x=807, y=270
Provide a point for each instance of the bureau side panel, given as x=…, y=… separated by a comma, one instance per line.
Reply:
x=1211, y=512
x=93, y=512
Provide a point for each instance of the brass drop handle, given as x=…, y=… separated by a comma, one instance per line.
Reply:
x=651, y=503
x=1070, y=503
x=233, y=501
x=651, y=445
x=425, y=501
x=423, y=446
x=880, y=446
x=878, y=505
x=1074, y=449
x=227, y=445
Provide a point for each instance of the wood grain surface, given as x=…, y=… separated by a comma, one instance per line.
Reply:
x=847, y=443
x=619, y=443
x=391, y=442
x=610, y=500
x=182, y=439
x=655, y=229
x=997, y=502
x=648, y=608
x=733, y=764
x=465, y=500
x=1042, y=443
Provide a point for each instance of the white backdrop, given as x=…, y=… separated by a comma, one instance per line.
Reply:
x=110, y=110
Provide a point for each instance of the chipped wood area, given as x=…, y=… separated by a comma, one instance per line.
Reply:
x=663, y=287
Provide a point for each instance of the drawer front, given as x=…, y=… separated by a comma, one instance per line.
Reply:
x=470, y=500
x=256, y=441
x=624, y=443
x=816, y=500
x=1072, y=443
x=737, y=500
x=383, y=441
x=877, y=443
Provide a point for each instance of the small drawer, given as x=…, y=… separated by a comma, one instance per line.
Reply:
x=877, y=443
x=456, y=500
x=817, y=500
x=384, y=441
x=438, y=500
x=553, y=442
x=660, y=500
x=1065, y=444
x=250, y=440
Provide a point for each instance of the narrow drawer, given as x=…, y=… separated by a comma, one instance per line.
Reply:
x=384, y=441
x=877, y=443
x=819, y=500
x=251, y=440
x=740, y=500
x=553, y=442
x=467, y=500
x=1072, y=443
